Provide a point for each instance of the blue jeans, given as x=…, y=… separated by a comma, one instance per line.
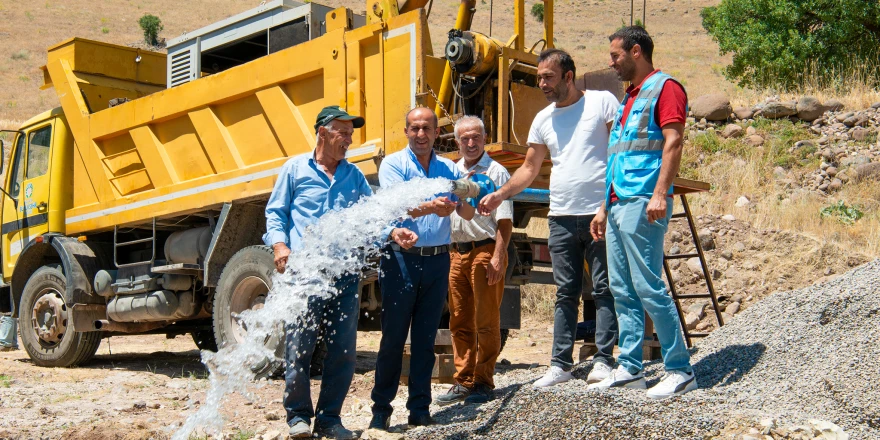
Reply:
x=570, y=245
x=340, y=335
x=414, y=289
x=635, y=264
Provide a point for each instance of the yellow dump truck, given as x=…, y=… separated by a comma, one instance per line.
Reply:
x=137, y=205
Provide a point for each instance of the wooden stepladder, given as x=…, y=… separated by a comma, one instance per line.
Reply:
x=682, y=187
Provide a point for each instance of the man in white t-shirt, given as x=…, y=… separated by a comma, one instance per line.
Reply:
x=574, y=128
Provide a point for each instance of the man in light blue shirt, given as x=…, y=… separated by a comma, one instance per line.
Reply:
x=414, y=273
x=309, y=186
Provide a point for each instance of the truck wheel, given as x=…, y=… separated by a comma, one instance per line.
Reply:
x=44, y=323
x=204, y=340
x=244, y=284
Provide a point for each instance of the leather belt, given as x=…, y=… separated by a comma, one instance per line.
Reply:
x=425, y=251
x=471, y=245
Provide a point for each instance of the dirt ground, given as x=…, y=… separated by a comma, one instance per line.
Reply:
x=142, y=387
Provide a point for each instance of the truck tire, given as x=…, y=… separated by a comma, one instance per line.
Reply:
x=505, y=333
x=244, y=284
x=204, y=340
x=44, y=323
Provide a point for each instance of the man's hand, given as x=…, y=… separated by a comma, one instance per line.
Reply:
x=281, y=253
x=656, y=208
x=597, y=226
x=443, y=207
x=489, y=203
x=404, y=237
x=494, y=270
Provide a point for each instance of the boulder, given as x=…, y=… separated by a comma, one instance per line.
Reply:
x=859, y=134
x=868, y=171
x=707, y=239
x=714, y=107
x=743, y=201
x=695, y=266
x=809, y=108
x=743, y=113
x=732, y=308
x=732, y=131
x=751, y=130
x=776, y=110
x=835, y=185
x=834, y=105
x=755, y=140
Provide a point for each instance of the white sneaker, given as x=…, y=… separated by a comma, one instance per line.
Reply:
x=620, y=377
x=599, y=372
x=675, y=383
x=555, y=375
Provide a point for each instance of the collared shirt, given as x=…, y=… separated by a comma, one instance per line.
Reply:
x=482, y=227
x=304, y=192
x=403, y=166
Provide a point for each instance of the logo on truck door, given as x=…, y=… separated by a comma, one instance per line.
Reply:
x=29, y=190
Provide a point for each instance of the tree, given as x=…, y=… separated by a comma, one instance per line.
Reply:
x=151, y=25
x=786, y=43
x=538, y=11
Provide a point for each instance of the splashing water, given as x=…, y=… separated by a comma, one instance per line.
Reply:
x=339, y=243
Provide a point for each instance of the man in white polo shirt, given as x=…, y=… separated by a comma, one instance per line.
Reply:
x=574, y=128
x=476, y=276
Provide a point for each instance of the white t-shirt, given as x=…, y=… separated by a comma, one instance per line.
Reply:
x=482, y=227
x=577, y=137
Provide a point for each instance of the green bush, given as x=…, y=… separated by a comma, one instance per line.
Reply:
x=841, y=212
x=538, y=11
x=785, y=44
x=151, y=25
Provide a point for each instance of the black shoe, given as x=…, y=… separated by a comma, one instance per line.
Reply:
x=421, y=420
x=336, y=431
x=380, y=421
x=456, y=393
x=480, y=394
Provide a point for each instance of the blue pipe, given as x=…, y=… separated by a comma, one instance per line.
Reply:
x=533, y=195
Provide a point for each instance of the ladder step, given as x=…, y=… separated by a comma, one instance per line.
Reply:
x=680, y=215
x=681, y=256
x=698, y=335
x=128, y=243
x=692, y=295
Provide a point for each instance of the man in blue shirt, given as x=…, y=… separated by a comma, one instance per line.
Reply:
x=309, y=186
x=414, y=278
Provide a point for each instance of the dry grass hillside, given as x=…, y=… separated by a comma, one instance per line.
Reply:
x=30, y=26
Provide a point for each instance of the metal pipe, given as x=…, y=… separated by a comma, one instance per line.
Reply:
x=532, y=195
x=548, y=23
x=104, y=325
x=462, y=23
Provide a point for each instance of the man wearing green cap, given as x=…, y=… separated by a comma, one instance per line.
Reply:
x=309, y=186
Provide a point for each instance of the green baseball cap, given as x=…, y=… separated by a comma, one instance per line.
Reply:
x=332, y=112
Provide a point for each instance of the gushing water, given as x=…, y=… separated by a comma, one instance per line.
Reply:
x=340, y=243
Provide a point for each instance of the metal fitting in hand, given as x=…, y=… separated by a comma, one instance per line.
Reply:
x=465, y=188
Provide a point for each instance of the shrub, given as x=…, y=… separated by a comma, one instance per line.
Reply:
x=21, y=55
x=151, y=25
x=538, y=11
x=787, y=43
x=843, y=213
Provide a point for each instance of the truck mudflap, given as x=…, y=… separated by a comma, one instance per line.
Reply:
x=79, y=262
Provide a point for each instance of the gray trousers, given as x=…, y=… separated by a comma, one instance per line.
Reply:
x=570, y=246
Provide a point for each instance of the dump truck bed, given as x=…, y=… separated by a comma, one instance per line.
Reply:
x=225, y=136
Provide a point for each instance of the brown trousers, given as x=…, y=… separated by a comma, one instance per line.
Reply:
x=475, y=316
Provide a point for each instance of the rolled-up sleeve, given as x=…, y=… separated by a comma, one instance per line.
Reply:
x=278, y=209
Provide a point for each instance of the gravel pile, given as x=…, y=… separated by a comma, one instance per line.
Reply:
x=791, y=358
